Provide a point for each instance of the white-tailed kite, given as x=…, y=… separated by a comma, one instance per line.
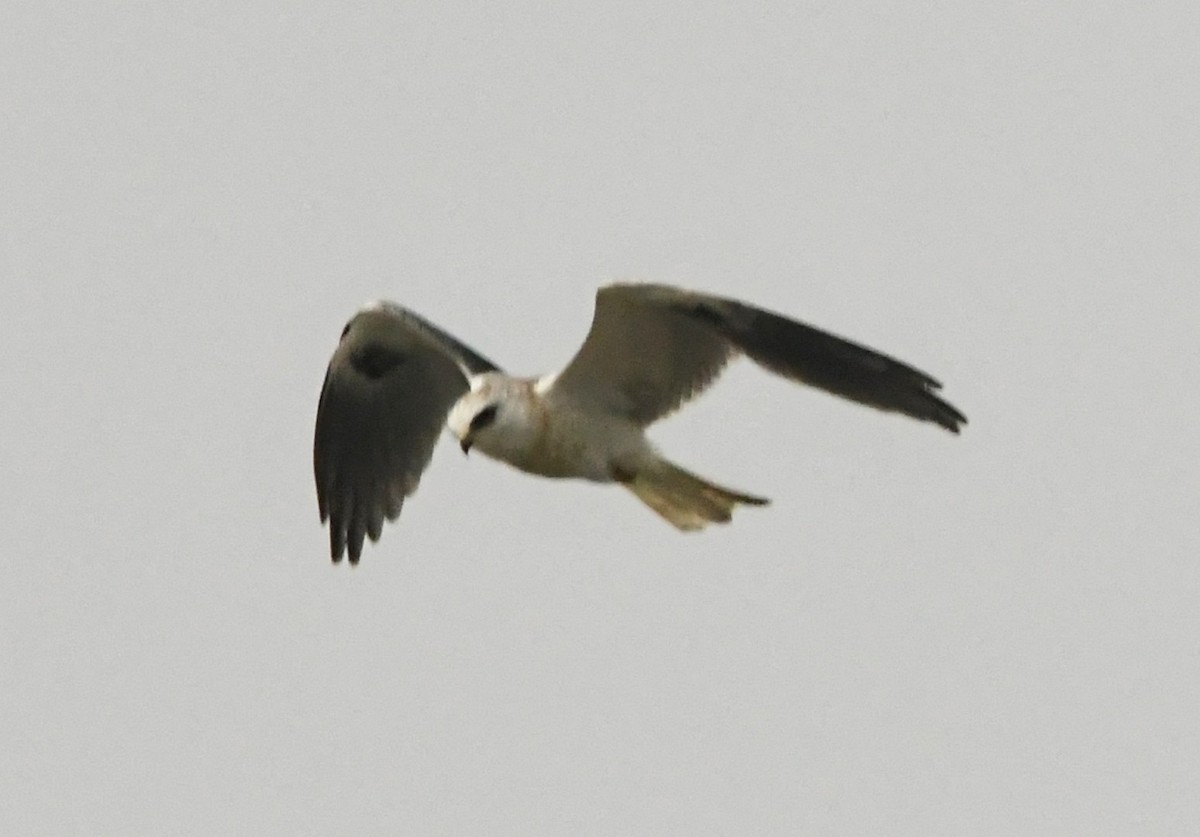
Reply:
x=395, y=379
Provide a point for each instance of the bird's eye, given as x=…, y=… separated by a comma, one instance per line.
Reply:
x=483, y=418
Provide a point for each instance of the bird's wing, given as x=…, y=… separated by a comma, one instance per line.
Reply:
x=644, y=356
x=652, y=347
x=389, y=385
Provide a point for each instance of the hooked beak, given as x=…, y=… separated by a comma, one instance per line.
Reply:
x=465, y=443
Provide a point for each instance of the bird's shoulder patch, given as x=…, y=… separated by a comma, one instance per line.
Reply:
x=375, y=360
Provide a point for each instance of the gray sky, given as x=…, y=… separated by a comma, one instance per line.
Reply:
x=924, y=634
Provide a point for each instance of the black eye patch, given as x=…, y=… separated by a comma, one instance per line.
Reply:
x=483, y=418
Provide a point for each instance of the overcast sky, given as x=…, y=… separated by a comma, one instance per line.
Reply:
x=995, y=633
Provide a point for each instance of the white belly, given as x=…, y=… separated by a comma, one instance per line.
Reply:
x=581, y=445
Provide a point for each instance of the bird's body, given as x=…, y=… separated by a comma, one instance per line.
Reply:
x=395, y=379
x=539, y=431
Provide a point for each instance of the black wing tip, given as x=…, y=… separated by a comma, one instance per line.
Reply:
x=807, y=354
x=348, y=542
x=339, y=548
x=954, y=426
x=942, y=413
x=351, y=525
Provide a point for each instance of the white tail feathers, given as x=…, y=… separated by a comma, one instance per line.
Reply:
x=683, y=499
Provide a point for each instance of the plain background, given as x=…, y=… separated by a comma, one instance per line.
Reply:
x=996, y=633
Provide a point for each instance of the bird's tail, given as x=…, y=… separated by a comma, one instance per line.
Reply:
x=683, y=499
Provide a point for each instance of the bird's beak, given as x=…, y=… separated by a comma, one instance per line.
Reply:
x=465, y=443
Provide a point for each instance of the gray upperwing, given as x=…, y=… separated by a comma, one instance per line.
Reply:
x=653, y=347
x=389, y=385
x=642, y=357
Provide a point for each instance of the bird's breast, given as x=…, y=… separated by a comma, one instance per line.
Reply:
x=574, y=443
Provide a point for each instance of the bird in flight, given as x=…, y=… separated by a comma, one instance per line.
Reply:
x=395, y=379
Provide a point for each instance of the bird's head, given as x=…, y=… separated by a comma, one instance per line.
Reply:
x=495, y=416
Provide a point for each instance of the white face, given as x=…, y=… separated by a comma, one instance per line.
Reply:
x=494, y=417
x=483, y=392
x=465, y=411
